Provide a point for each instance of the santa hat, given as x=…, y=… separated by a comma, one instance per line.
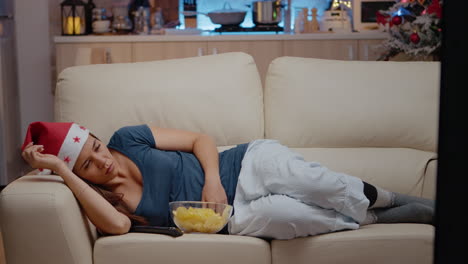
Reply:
x=64, y=140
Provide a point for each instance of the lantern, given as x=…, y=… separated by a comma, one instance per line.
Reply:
x=73, y=18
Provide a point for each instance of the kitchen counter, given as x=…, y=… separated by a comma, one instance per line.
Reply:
x=213, y=36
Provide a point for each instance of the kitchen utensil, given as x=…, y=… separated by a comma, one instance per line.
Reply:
x=122, y=24
x=200, y=217
x=141, y=20
x=225, y=16
x=267, y=12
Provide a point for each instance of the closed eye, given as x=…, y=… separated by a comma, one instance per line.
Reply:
x=96, y=147
x=89, y=161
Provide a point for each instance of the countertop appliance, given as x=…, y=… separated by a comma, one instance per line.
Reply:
x=10, y=142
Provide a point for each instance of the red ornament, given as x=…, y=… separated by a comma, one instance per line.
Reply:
x=381, y=18
x=415, y=38
x=396, y=20
x=435, y=8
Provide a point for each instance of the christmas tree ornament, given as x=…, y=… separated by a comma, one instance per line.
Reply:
x=435, y=8
x=415, y=38
x=381, y=18
x=396, y=20
x=418, y=33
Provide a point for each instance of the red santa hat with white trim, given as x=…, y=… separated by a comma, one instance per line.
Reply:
x=64, y=140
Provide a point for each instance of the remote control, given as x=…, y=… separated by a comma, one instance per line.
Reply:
x=171, y=231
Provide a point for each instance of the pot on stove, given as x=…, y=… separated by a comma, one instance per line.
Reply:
x=267, y=12
x=226, y=16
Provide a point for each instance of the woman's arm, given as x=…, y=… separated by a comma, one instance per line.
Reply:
x=204, y=148
x=101, y=213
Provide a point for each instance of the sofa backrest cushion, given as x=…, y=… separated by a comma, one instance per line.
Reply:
x=331, y=103
x=220, y=95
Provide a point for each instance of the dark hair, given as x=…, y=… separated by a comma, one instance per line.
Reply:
x=116, y=200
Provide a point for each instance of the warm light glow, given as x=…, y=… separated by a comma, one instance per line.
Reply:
x=73, y=25
x=338, y=3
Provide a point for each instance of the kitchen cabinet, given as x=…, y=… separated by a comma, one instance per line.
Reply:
x=322, y=49
x=72, y=54
x=148, y=51
x=263, y=51
x=72, y=51
x=370, y=49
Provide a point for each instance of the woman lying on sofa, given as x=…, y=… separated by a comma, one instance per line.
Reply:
x=275, y=193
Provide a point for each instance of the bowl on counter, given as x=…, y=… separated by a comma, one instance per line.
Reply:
x=200, y=217
x=101, y=26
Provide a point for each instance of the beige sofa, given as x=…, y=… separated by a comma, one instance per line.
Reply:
x=374, y=120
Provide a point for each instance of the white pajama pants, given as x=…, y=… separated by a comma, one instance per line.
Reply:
x=279, y=195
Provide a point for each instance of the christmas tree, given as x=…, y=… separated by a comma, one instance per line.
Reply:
x=414, y=27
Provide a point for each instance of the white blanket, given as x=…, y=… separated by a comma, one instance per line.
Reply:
x=279, y=195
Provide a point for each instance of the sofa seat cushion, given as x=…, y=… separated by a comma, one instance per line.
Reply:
x=396, y=169
x=378, y=243
x=199, y=248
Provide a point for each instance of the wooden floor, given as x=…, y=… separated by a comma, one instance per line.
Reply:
x=2, y=255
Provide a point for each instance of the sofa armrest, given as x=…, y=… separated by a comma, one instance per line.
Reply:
x=430, y=180
x=41, y=222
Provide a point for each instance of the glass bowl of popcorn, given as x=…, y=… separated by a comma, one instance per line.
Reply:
x=200, y=217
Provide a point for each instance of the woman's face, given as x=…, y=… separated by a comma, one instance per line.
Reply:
x=95, y=163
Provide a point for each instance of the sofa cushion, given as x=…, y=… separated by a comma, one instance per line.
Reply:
x=397, y=169
x=331, y=103
x=189, y=248
x=220, y=95
x=379, y=243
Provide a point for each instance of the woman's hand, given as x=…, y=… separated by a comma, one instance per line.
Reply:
x=213, y=191
x=32, y=155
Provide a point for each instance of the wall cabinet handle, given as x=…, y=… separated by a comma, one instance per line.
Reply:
x=350, y=52
x=366, y=52
x=108, y=56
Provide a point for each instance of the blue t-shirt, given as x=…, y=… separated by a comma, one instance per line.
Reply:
x=171, y=175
